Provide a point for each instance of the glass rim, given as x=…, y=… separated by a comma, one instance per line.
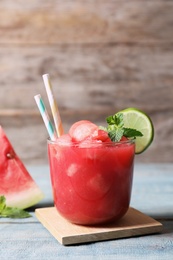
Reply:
x=88, y=144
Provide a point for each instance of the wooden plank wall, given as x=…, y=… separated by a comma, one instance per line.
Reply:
x=102, y=56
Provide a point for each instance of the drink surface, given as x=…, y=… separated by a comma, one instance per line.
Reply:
x=91, y=181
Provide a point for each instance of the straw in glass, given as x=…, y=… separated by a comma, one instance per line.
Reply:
x=53, y=105
x=45, y=116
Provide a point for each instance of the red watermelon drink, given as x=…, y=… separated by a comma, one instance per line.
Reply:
x=91, y=175
x=91, y=167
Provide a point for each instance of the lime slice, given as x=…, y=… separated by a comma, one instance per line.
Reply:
x=137, y=119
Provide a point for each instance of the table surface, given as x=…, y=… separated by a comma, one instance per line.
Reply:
x=152, y=194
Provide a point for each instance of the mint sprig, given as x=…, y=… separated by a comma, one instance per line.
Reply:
x=116, y=129
x=11, y=212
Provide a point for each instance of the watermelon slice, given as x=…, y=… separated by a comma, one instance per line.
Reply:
x=16, y=184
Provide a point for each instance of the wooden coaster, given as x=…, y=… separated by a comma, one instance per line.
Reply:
x=134, y=223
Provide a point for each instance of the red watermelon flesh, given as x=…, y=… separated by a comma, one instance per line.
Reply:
x=82, y=129
x=16, y=184
x=85, y=130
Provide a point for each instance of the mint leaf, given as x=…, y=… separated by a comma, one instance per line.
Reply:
x=129, y=132
x=116, y=119
x=11, y=212
x=116, y=134
x=116, y=129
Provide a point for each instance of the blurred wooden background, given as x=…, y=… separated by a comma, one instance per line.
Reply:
x=102, y=56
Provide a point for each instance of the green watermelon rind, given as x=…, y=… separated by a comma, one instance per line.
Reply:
x=26, y=198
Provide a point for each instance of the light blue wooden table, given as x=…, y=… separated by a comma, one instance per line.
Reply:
x=152, y=194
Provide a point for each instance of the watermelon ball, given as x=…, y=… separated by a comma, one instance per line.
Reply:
x=81, y=130
x=85, y=130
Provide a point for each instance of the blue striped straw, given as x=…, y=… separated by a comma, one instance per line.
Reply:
x=45, y=116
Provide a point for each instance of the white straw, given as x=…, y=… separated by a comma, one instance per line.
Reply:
x=53, y=105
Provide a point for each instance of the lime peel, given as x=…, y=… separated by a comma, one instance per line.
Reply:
x=137, y=119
